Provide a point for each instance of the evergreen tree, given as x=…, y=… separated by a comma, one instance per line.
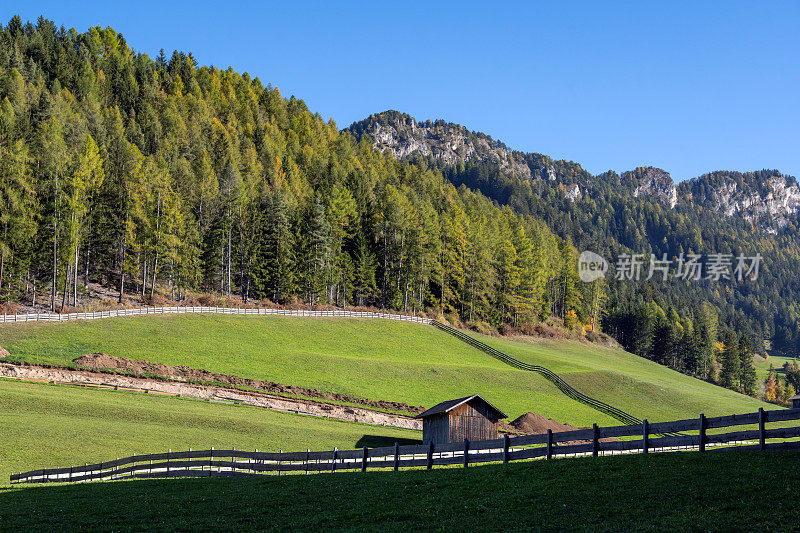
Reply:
x=747, y=370
x=364, y=267
x=318, y=253
x=731, y=362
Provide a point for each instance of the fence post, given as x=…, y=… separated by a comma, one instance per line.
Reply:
x=762, y=436
x=549, y=443
x=308, y=454
x=364, y=460
x=466, y=452
x=430, y=456
x=280, y=462
x=645, y=436
x=169, y=453
x=396, y=456
x=333, y=463
x=211, y=462
x=595, y=440
x=702, y=432
x=506, y=444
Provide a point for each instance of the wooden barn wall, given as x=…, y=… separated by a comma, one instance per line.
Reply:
x=468, y=421
x=436, y=429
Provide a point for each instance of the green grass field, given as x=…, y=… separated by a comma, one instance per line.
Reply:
x=385, y=360
x=714, y=491
x=641, y=387
x=776, y=361
x=56, y=425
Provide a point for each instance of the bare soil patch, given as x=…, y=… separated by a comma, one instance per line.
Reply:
x=533, y=424
x=105, y=379
x=4, y=352
x=101, y=361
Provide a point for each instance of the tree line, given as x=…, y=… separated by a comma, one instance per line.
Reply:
x=147, y=175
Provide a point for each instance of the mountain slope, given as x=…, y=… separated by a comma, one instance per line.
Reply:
x=640, y=211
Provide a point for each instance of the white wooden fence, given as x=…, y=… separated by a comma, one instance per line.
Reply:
x=55, y=317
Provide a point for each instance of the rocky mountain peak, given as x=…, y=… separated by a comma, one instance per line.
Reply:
x=653, y=183
x=447, y=143
x=766, y=197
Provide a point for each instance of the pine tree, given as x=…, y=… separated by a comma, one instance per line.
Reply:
x=318, y=254
x=53, y=150
x=364, y=266
x=16, y=206
x=275, y=259
x=343, y=219
x=747, y=370
x=508, y=279
x=87, y=180
x=706, y=325
x=731, y=362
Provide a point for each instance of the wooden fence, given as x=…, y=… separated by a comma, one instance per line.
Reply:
x=56, y=317
x=227, y=463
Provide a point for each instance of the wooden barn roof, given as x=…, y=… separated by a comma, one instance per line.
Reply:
x=449, y=405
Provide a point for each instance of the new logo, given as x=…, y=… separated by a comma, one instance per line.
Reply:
x=591, y=266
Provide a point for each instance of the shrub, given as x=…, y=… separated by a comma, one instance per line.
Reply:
x=482, y=327
x=507, y=329
x=8, y=308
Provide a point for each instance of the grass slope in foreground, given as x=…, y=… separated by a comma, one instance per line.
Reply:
x=55, y=425
x=385, y=360
x=677, y=491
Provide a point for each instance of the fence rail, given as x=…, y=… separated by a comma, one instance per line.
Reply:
x=232, y=462
x=55, y=317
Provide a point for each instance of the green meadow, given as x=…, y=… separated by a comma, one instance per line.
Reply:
x=714, y=491
x=46, y=426
x=385, y=360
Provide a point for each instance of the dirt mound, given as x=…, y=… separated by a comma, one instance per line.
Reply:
x=533, y=424
x=3, y=352
x=101, y=361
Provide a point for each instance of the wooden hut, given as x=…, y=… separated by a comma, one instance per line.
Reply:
x=795, y=401
x=470, y=417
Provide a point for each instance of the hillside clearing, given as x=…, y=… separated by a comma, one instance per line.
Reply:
x=642, y=387
x=382, y=359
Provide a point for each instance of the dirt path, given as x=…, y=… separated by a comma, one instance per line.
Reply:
x=208, y=392
x=114, y=364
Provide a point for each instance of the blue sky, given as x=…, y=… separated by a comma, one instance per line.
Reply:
x=686, y=86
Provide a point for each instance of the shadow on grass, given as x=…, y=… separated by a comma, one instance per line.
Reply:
x=378, y=441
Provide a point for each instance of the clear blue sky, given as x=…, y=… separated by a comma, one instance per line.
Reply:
x=687, y=86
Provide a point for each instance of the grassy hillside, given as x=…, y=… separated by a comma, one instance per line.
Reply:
x=55, y=425
x=381, y=359
x=637, y=385
x=776, y=361
x=677, y=491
